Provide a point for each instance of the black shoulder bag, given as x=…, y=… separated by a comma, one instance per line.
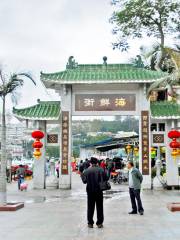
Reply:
x=104, y=185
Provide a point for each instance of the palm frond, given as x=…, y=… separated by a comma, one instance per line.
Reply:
x=27, y=75
x=15, y=81
x=160, y=83
x=175, y=56
x=177, y=46
x=15, y=97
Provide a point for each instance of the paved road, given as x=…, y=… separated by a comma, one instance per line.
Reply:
x=61, y=215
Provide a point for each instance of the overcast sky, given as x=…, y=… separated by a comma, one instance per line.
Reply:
x=40, y=35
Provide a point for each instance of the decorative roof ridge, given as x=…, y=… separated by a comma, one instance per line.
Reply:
x=52, y=73
x=88, y=65
x=39, y=102
x=108, y=64
x=80, y=66
x=48, y=102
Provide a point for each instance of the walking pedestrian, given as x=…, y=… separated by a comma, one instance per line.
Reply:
x=57, y=168
x=92, y=177
x=47, y=168
x=20, y=174
x=109, y=166
x=86, y=164
x=135, y=180
x=81, y=166
x=103, y=165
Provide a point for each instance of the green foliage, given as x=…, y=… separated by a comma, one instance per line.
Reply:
x=91, y=139
x=86, y=140
x=102, y=127
x=81, y=128
x=163, y=171
x=76, y=152
x=13, y=82
x=126, y=124
x=134, y=18
x=153, y=171
x=53, y=151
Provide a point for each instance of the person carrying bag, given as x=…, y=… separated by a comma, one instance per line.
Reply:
x=96, y=180
x=104, y=184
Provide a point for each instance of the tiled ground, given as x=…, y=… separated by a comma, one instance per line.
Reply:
x=55, y=214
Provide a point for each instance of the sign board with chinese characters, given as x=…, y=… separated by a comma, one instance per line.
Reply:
x=52, y=138
x=65, y=142
x=145, y=142
x=105, y=102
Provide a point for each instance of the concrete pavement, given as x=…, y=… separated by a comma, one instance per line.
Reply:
x=57, y=214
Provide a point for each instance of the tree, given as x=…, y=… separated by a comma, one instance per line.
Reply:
x=173, y=65
x=8, y=86
x=170, y=61
x=52, y=151
x=135, y=18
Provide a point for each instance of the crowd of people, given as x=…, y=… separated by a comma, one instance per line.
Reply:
x=108, y=165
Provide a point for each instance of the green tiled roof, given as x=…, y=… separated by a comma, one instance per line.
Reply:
x=165, y=110
x=50, y=110
x=100, y=73
x=44, y=110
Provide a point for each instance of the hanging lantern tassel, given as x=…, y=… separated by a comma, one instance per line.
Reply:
x=128, y=148
x=174, y=154
x=37, y=153
x=136, y=150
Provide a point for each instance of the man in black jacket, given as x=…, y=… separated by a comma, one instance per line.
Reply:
x=92, y=176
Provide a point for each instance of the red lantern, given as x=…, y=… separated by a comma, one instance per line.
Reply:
x=37, y=134
x=174, y=144
x=37, y=144
x=174, y=134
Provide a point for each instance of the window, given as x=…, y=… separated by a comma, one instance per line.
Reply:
x=162, y=127
x=153, y=127
x=162, y=95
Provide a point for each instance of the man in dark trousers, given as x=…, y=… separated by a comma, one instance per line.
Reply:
x=92, y=176
x=135, y=180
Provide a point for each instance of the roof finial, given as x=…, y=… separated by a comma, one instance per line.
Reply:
x=71, y=63
x=105, y=60
x=139, y=62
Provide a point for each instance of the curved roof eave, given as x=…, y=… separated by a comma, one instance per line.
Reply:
x=19, y=117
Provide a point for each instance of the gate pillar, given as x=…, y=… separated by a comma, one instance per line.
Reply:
x=65, y=137
x=39, y=165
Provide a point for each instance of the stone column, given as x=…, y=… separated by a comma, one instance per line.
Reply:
x=65, y=137
x=171, y=164
x=39, y=164
x=146, y=173
x=144, y=105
